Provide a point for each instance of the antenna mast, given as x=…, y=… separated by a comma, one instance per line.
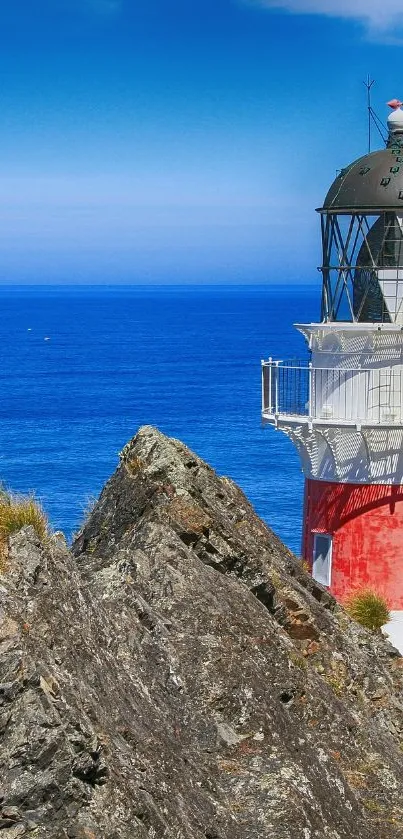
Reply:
x=368, y=84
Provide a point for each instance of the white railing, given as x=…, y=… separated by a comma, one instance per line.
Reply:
x=372, y=395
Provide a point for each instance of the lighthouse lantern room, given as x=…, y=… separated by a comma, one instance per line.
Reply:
x=343, y=409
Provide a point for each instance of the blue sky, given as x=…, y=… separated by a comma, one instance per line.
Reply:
x=181, y=140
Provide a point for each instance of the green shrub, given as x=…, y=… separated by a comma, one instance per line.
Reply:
x=368, y=608
x=17, y=511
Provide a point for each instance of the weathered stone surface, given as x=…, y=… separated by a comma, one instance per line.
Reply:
x=181, y=677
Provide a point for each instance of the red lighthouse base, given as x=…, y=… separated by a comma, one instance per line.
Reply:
x=365, y=528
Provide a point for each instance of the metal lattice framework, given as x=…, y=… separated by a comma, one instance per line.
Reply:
x=360, y=251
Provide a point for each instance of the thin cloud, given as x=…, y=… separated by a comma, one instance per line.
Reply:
x=377, y=15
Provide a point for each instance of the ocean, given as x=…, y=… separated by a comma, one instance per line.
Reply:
x=84, y=366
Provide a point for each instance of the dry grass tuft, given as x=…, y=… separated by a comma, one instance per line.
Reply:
x=368, y=608
x=17, y=511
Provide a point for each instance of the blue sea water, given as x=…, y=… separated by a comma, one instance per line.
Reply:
x=83, y=367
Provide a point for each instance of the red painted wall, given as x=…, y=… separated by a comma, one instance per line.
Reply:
x=366, y=523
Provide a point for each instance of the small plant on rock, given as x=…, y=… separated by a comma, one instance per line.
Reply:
x=368, y=608
x=17, y=511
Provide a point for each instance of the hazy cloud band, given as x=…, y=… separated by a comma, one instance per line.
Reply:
x=376, y=14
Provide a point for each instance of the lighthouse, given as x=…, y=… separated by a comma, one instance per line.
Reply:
x=342, y=407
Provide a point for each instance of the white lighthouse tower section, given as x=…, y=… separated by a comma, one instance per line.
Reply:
x=355, y=405
x=350, y=429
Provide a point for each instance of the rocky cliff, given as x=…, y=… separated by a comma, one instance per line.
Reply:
x=177, y=675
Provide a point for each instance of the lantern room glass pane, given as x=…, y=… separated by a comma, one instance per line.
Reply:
x=363, y=267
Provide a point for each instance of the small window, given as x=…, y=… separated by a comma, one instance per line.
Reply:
x=385, y=181
x=322, y=558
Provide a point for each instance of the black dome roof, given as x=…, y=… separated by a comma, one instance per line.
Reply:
x=373, y=182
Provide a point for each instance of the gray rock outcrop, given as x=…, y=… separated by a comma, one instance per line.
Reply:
x=178, y=675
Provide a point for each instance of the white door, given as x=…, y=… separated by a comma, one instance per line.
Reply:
x=322, y=558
